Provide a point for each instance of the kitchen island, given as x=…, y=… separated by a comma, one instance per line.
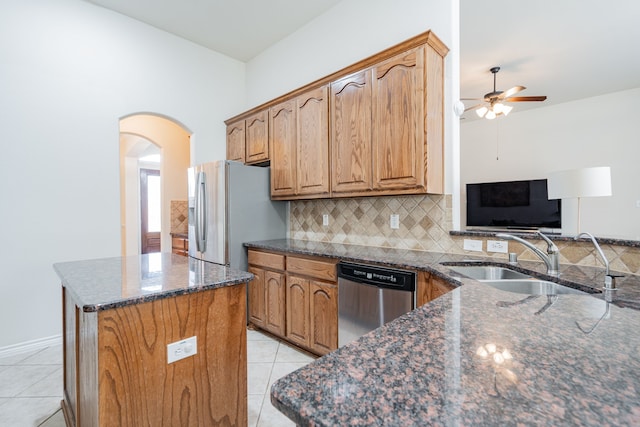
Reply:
x=120, y=314
x=476, y=355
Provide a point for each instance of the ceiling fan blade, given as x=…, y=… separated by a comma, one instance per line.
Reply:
x=525, y=98
x=507, y=93
x=473, y=107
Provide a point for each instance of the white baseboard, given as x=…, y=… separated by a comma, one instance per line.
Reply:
x=29, y=346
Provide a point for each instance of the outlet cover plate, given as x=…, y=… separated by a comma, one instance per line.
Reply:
x=394, y=221
x=181, y=349
x=499, y=246
x=473, y=245
x=325, y=220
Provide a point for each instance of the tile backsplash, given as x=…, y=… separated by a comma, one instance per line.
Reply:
x=179, y=216
x=425, y=223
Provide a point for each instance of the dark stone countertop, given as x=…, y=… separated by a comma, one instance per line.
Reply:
x=102, y=284
x=551, y=236
x=585, y=278
x=576, y=363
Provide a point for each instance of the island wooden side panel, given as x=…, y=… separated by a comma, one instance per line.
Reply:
x=137, y=386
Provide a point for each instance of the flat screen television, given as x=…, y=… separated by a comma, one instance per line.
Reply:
x=512, y=204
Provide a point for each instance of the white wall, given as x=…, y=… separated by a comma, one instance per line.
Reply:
x=70, y=70
x=349, y=32
x=598, y=131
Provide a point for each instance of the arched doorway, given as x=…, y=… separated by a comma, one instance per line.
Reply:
x=140, y=135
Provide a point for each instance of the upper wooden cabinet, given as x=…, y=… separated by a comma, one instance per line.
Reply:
x=248, y=139
x=299, y=138
x=235, y=141
x=373, y=128
x=351, y=160
x=257, y=138
x=282, y=135
x=386, y=136
x=313, y=142
x=398, y=122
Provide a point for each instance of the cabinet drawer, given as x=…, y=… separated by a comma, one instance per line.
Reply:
x=319, y=269
x=265, y=259
x=179, y=243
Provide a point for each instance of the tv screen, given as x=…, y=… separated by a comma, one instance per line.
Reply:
x=512, y=204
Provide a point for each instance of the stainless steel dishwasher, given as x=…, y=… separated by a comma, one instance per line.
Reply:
x=369, y=297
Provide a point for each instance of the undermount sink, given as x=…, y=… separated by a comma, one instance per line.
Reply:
x=532, y=287
x=505, y=279
x=487, y=272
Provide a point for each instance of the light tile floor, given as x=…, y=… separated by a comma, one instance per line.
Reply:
x=31, y=383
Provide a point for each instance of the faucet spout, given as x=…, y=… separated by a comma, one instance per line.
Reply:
x=551, y=258
x=609, y=280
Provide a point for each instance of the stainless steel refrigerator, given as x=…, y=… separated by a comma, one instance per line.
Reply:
x=229, y=204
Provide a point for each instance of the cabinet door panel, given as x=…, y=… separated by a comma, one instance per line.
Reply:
x=274, y=284
x=282, y=137
x=313, y=142
x=235, y=141
x=351, y=133
x=298, y=310
x=257, y=138
x=256, y=293
x=398, y=121
x=324, y=317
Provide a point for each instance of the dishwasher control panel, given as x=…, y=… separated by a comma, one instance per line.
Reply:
x=378, y=276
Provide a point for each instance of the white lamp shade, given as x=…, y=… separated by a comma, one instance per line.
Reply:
x=586, y=182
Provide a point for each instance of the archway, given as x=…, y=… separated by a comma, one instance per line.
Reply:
x=139, y=134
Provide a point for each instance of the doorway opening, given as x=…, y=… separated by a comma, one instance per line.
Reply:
x=150, y=210
x=154, y=158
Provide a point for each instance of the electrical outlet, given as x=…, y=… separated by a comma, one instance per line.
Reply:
x=473, y=245
x=394, y=221
x=325, y=220
x=497, y=246
x=181, y=349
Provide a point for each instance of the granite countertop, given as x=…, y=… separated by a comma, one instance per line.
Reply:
x=101, y=284
x=585, y=278
x=575, y=363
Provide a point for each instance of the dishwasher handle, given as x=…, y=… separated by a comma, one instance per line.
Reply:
x=401, y=280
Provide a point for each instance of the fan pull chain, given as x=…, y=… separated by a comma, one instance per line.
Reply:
x=497, y=140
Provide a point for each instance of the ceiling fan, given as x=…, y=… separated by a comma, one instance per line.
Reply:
x=493, y=104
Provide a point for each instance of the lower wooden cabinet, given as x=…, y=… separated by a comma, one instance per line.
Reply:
x=312, y=308
x=179, y=245
x=267, y=292
x=274, y=290
x=323, y=312
x=430, y=287
x=295, y=298
x=298, y=330
x=115, y=370
x=256, y=292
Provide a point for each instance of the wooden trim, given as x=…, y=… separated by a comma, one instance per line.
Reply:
x=316, y=268
x=267, y=260
x=427, y=37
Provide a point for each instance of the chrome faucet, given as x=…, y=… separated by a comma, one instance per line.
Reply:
x=609, y=280
x=551, y=258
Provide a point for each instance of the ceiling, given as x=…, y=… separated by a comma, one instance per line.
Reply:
x=567, y=50
x=240, y=29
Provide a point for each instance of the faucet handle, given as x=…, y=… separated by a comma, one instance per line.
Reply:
x=551, y=247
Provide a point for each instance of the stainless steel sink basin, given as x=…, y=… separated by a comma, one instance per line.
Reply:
x=532, y=287
x=487, y=272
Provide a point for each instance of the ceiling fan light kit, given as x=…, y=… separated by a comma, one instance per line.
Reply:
x=497, y=98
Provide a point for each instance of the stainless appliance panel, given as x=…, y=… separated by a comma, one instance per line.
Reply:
x=229, y=204
x=369, y=297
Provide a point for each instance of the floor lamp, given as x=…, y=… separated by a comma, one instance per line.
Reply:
x=578, y=183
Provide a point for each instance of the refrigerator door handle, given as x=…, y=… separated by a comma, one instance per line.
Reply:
x=201, y=213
